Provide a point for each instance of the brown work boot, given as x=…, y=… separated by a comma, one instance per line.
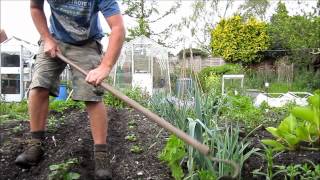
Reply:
x=32, y=155
x=102, y=169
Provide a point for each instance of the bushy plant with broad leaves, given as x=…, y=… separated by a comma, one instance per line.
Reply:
x=173, y=154
x=302, y=125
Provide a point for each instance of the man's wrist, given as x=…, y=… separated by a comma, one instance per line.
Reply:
x=46, y=37
x=106, y=67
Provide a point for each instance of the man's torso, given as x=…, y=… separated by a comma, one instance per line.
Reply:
x=76, y=21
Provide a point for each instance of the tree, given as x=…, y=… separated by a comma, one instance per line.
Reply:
x=298, y=35
x=145, y=13
x=293, y=32
x=256, y=8
x=237, y=40
x=277, y=28
x=205, y=14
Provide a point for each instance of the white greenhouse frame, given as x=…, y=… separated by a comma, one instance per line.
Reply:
x=143, y=61
x=231, y=76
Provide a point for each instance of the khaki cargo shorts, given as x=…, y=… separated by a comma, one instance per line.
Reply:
x=47, y=70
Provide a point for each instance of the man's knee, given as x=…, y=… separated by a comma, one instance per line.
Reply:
x=93, y=103
x=39, y=92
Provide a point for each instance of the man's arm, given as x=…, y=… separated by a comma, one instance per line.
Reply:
x=96, y=76
x=40, y=21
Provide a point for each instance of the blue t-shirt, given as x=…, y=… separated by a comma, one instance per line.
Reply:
x=76, y=21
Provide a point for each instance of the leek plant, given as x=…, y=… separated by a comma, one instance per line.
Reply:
x=200, y=119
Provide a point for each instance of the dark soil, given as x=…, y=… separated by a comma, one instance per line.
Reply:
x=73, y=140
x=285, y=158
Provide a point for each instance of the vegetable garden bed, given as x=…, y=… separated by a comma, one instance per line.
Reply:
x=73, y=140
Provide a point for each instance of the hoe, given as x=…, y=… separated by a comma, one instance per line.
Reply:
x=161, y=122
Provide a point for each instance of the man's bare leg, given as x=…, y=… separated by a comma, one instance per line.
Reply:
x=98, y=121
x=38, y=108
x=38, y=111
x=99, y=126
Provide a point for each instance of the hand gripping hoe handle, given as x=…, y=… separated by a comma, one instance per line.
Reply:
x=160, y=121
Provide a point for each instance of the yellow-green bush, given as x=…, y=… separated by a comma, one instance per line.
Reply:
x=237, y=40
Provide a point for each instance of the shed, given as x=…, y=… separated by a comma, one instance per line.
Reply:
x=15, y=68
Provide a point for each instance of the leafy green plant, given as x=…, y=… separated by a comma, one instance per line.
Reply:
x=136, y=149
x=13, y=110
x=132, y=124
x=135, y=94
x=307, y=171
x=131, y=137
x=272, y=116
x=53, y=123
x=310, y=171
x=206, y=175
x=61, y=106
x=201, y=121
x=293, y=171
x=241, y=109
x=17, y=128
x=61, y=171
x=210, y=77
x=303, y=125
x=173, y=154
x=268, y=155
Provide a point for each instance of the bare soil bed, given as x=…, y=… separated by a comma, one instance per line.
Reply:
x=73, y=140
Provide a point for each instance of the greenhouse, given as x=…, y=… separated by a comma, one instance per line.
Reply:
x=144, y=64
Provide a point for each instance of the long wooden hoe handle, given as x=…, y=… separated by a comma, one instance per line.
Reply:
x=160, y=121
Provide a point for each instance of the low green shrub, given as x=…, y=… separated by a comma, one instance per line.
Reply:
x=61, y=106
x=13, y=110
x=241, y=108
x=134, y=94
x=208, y=76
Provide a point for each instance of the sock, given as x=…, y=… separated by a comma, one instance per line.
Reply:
x=38, y=135
x=100, y=147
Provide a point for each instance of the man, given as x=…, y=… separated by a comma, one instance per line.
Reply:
x=75, y=32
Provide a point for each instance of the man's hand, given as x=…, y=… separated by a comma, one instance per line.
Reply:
x=96, y=76
x=39, y=18
x=50, y=47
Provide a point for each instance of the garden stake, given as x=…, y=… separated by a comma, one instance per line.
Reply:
x=160, y=121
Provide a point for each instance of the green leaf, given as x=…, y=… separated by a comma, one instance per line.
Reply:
x=303, y=113
x=288, y=124
x=291, y=139
x=276, y=146
x=72, y=175
x=314, y=100
x=302, y=133
x=273, y=131
x=54, y=167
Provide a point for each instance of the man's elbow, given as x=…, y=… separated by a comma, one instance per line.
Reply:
x=36, y=5
x=122, y=31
